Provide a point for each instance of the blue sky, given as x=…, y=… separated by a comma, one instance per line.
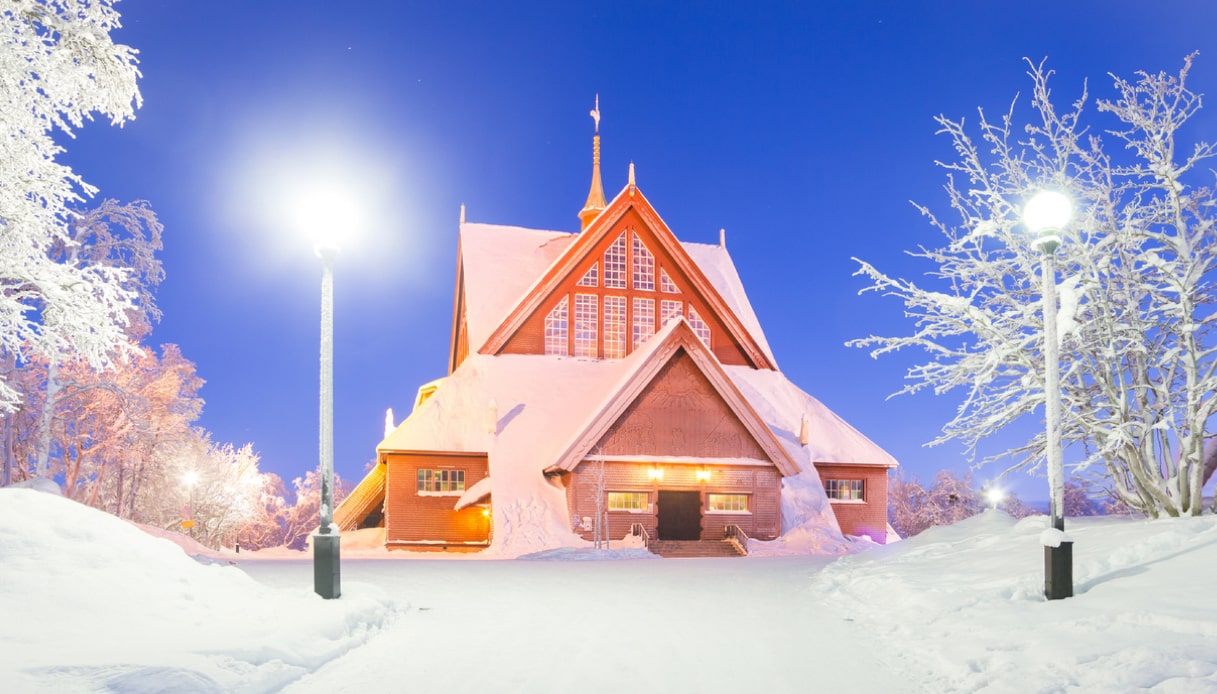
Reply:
x=803, y=129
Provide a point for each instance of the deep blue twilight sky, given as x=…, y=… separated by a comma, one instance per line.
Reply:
x=804, y=129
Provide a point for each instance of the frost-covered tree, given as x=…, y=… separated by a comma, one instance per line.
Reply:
x=912, y=508
x=1135, y=282
x=58, y=67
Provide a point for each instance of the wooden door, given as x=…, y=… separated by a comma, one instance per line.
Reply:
x=679, y=515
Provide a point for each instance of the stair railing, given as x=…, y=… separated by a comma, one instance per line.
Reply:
x=736, y=536
x=637, y=530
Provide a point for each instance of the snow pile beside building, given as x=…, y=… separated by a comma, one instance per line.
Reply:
x=808, y=526
x=71, y=576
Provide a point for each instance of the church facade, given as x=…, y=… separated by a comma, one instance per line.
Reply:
x=613, y=381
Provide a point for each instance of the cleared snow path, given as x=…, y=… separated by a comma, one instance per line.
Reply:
x=672, y=625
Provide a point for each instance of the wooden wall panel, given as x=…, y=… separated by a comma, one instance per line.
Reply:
x=411, y=518
x=868, y=517
x=680, y=414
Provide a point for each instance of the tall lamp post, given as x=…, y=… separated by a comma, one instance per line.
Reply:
x=326, y=559
x=1046, y=215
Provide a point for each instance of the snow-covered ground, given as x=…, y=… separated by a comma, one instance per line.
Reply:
x=89, y=603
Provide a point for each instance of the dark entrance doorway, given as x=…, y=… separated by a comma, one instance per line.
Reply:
x=679, y=515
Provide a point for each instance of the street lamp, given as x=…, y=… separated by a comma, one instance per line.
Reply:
x=995, y=496
x=1046, y=215
x=326, y=214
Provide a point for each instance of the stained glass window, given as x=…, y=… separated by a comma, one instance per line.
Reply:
x=585, y=325
x=669, y=310
x=644, y=266
x=699, y=326
x=666, y=285
x=591, y=278
x=614, y=264
x=614, y=327
x=555, y=329
x=644, y=320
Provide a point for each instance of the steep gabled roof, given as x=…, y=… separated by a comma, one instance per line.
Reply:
x=629, y=199
x=500, y=264
x=676, y=337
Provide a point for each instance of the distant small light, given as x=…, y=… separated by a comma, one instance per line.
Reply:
x=656, y=472
x=995, y=496
x=703, y=475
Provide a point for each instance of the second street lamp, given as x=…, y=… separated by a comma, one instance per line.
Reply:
x=1046, y=215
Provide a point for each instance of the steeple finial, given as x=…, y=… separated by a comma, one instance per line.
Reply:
x=595, y=197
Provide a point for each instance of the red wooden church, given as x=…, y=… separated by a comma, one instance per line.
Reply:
x=615, y=374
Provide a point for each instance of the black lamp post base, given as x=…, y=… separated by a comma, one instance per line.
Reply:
x=1058, y=571
x=326, y=569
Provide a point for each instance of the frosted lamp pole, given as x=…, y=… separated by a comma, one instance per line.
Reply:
x=190, y=479
x=1046, y=215
x=326, y=544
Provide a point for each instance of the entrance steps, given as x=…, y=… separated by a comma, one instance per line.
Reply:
x=694, y=548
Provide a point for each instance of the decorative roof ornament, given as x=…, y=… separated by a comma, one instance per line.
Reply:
x=595, y=197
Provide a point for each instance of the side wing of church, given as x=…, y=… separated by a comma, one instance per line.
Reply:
x=614, y=375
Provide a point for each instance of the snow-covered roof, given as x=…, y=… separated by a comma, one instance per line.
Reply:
x=541, y=402
x=715, y=262
x=783, y=405
x=502, y=264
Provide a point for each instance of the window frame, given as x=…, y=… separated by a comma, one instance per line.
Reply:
x=856, y=488
x=744, y=496
x=643, y=496
x=431, y=477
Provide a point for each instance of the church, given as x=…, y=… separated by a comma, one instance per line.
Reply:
x=612, y=383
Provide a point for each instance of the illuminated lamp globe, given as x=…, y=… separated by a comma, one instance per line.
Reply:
x=1046, y=214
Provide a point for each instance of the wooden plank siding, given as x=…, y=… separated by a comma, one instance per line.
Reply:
x=679, y=413
x=423, y=521
x=761, y=483
x=869, y=516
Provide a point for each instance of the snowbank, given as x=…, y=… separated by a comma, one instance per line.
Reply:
x=963, y=605
x=143, y=615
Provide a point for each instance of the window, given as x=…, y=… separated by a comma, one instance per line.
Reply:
x=629, y=501
x=644, y=320
x=666, y=285
x=727, y=503
x=555, y=329
x=585, y=325
x=441, y=482
x=844, y=490
x=644, y=266
x=614, y=264
x=591, y=278
x=699, y=326
x=614, y=327
x=669, y=310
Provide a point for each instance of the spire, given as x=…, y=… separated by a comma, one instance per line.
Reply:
x=595, y=197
